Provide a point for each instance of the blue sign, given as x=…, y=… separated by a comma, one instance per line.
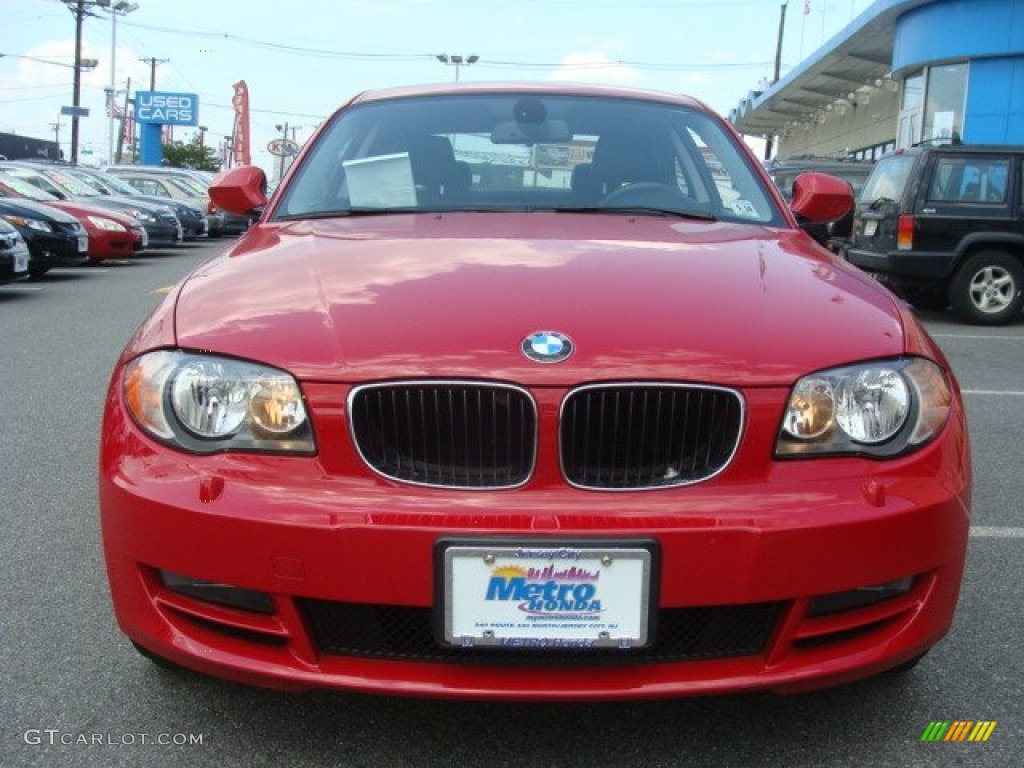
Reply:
x=162, y=108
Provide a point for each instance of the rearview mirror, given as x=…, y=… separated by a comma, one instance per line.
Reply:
x=548, y=132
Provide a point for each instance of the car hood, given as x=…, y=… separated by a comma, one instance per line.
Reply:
x=32, y=209
x=175, y=204
x=455, y=295
x=121, y=202
x=82, y=209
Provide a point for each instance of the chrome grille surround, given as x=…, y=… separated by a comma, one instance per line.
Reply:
x=645, y=435
x=472, y=435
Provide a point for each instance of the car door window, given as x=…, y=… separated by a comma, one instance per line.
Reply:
x=970, y=180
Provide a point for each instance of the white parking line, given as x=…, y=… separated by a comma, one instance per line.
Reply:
x=969, y=337
x=993, y=392
x=996, y=532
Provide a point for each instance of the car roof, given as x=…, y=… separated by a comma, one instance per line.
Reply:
x=518, y=87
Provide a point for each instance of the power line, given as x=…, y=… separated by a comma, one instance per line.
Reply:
x=412, y=56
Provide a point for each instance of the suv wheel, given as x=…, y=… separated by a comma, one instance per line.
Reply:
x=987, y=289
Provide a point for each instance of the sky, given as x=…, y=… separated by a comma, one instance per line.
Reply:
x=301, y=59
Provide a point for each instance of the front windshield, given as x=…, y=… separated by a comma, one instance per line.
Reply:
x=94, y=185
x=71, y=185
x=525, y=152
x=188, y=186
x=119, y=186
x=23, y=188
x=39, y=181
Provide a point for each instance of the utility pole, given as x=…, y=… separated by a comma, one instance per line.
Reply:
x=76, y=93
x=778, y=68
x=124, y=121
x=80, y=9
x=153, y=61
x=284, y=145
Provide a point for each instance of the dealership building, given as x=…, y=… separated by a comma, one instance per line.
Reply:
x=901, y=73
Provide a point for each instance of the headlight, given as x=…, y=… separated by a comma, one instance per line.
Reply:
x=876, y=409
x=204, y=403
x=108, y=224
x=36, y=224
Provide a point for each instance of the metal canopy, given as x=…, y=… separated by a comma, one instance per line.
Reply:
x=858, y=57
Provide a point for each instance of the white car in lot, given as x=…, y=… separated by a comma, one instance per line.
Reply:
x=13, y=254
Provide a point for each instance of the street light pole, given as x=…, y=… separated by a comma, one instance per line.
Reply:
x=123, y=8
x=457, y=61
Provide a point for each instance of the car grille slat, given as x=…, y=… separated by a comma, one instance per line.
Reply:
x=630, y=436
x=449, y=434
x=405, y=633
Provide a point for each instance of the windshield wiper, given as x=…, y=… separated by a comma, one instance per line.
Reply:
x=878, y=202
x=340, y=213
x=633, y=210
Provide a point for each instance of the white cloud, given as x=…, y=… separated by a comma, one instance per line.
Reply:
x=595, y=67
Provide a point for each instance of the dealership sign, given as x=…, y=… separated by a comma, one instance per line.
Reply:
x=162, y=108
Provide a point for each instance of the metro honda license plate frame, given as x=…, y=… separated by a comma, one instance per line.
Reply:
x=522, y=594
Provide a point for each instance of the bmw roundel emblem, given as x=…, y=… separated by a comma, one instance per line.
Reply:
x=547, y=347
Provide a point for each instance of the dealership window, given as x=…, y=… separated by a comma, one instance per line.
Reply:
x=932, y=109
x=873, y=152
x=944, y=105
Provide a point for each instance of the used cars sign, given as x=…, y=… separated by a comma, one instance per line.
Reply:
x=167, y=108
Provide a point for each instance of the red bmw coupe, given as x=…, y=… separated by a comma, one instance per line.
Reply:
x=533, y=392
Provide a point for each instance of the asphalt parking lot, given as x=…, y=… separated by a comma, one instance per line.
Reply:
x=75, y=693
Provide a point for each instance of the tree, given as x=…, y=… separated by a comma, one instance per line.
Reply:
x=179, y=154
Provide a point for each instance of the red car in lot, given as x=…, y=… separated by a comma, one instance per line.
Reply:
x=111, y=234
x=533, y=392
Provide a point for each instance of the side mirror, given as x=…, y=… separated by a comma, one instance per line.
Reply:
x=818, y=197
x=239, y=190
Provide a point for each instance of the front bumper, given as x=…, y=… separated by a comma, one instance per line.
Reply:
x=329, y=543
x=58, y=249
x=164, y=231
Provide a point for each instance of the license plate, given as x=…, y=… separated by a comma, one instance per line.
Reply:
x=870, y=227
x=83, y=243
x=145, y=239
x=179, y=234
x=546, y=596
x=21, y=260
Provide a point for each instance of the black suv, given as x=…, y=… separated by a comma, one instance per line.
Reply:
x=834, y=234
x=944, y=226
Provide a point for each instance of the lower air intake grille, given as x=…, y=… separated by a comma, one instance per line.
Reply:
x=630, y=436
x=406, y=634
x=449, y=434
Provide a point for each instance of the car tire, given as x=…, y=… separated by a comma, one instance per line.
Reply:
x=37, y=272
x=986, y=290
